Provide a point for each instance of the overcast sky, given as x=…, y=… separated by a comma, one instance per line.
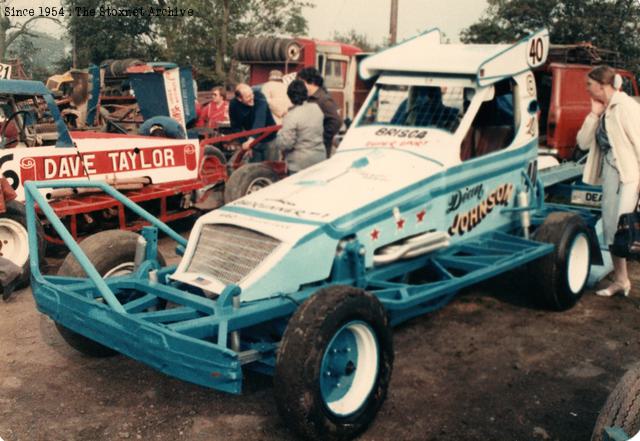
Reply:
x=369, y=17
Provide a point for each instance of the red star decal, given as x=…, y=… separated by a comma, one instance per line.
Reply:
x=375, y=234
x=420, y=215
x=400, y=224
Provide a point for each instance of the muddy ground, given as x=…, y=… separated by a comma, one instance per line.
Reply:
x=489, y=366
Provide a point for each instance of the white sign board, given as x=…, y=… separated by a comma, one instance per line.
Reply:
x=174, y=95
x=5, y=71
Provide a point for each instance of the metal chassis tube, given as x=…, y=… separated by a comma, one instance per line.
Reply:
x=190, y=341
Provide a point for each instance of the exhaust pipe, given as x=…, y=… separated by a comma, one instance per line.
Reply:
x=412, y=247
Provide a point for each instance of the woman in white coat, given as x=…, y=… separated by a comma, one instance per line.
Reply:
x=611, y=133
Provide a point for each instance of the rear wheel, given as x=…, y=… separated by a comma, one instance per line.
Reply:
x=334, y=365
x=14, y=240
x=559, y=278
x=211, y=151
x=248, y=179
x=112, y=253
x=622, y=408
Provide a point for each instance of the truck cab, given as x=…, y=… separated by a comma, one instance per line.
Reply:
x=562, y=93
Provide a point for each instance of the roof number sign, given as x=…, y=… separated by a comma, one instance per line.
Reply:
x=536, y=51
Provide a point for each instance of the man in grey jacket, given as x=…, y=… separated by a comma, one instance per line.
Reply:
x=332, y=120
x=300, y=138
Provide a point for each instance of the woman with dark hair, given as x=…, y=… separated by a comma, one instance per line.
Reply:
x=318, y=94
x=611, y=133
x=300, y=138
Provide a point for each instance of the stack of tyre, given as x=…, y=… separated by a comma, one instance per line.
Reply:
x=118, y=68
x=267, y=49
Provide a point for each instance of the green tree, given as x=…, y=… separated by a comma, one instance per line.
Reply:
x=204, y=40
x=98, y=38
x=11, y=31
x=356, y=39
x=608, y=24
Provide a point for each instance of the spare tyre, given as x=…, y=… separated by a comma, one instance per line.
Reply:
x=266, y=50
x=291, y=51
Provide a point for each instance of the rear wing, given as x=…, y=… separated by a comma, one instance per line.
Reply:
x=489, y=63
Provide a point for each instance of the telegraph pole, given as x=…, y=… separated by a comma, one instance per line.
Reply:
x=393, y=25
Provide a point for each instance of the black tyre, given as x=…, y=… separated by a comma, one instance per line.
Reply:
x=243, y=49
x=334, y=365
x=253, y=49
x=260, y=48
x=112, y=252
x=277, y=50
x=211, y=151
x=248, y=179
x=291, y=51
x=559, y=278
x=233, y=158
x=238, y=49
x=266, y=50
x=622, y=408
x=14, y=241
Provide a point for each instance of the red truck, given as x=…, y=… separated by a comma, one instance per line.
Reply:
x=562, y=93
x=336, y=62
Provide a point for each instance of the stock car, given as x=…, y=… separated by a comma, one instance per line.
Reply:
x=435, y=187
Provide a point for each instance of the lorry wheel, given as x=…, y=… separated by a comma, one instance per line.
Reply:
x=247, y=179
x=334, y=365
x=14, y=240
x=112, y=252
x=622, y=408
x=560, y=277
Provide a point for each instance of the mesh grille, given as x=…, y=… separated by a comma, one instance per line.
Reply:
x=229, y=253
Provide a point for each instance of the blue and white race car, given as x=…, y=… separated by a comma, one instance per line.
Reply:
x=435, y=187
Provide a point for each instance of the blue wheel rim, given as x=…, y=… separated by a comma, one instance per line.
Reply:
x=349, y=368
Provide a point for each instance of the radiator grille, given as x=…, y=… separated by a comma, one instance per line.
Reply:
x=229, y=253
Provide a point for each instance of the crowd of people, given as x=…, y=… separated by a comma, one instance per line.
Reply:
x=308, y=116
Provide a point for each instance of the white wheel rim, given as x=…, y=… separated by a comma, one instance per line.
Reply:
x=578, y=263
x=366, y=370
x=258, y=184
x=120, y=270
x=14, y=241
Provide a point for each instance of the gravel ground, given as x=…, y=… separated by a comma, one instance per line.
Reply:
x=489, y=366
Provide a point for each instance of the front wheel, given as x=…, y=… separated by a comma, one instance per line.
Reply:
x=112, y=253
x=334, y=365
x=560, y=277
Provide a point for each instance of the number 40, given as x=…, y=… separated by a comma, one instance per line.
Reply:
x=536, y=51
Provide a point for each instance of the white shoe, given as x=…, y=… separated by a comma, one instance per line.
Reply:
x=615, y=288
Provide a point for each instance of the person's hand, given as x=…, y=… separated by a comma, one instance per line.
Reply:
x=597, y=107
x=246, y=146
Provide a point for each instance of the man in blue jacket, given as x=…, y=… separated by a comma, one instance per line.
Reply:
x=249, y=110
